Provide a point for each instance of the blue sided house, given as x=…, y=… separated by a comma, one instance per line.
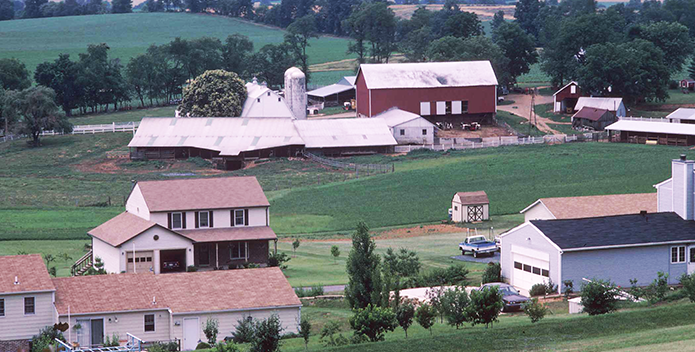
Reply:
x=616, y=248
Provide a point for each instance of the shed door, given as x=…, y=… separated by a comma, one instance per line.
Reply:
x=143, y=262
x=190, y=333
x=558, y=106
x=529, y=270
x=475, y=213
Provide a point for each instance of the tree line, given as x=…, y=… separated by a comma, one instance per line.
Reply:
x=10, y=9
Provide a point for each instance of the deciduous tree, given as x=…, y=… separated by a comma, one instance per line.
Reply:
x=518, y=47
x=297, y=40
x=14, y=74
x=454, y=304
x=216, y=93
x=122, y=6
x=6, y=10
x=61, y=75
x=426, y=316
x=373, y=322
x=485, y=306
x=236, y=51
x=405, y=312
x=34, y=110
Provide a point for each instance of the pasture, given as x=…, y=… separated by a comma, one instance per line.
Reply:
x=34, y=41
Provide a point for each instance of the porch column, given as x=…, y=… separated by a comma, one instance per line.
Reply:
x=217, y=255
x=275, y=252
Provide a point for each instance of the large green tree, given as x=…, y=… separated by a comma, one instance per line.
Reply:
x=14, y=74
x=463, y=24
x=297, y=40
x=364, y=278
x=34, y=110
x=373, y=27
x=672, y=38
x=518, y=47
x=236, y=51
x=62, y=76
x=526, y=12
x=6, y=10
x=122, y=6
x=270, y=63
x=215, y=93
x=32, y=8
x=474, y=48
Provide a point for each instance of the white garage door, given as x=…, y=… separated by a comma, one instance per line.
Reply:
x=530, y=267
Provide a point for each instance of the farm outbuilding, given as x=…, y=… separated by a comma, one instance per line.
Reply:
x=593, y=118
x=688, y=84
x=464, y=91
x=334, y=94
x=682, y=115
x=637, y=131
x=566, y=97
x=346, y=136
x=470, y=207
x=264, y=102
x=614, y=105
x=408, y=128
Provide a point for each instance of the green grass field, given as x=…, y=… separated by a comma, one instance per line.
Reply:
x=37, y=40
x=124, y=116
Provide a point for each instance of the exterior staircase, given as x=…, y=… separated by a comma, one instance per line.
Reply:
x=82, y=265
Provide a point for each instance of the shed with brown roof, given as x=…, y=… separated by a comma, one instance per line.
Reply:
x=470, y=207
x=594, y=118
x=590, y=206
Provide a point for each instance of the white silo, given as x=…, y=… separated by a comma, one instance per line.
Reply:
x=295, y=92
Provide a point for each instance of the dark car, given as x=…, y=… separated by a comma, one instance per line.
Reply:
x=512, y=299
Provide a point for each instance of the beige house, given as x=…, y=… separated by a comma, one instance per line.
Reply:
x=26, y=300
x=590, y=206
x=470, y=207
x=170, y=225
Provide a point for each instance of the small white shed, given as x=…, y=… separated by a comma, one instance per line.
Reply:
x=408, y=128
x=470, y=207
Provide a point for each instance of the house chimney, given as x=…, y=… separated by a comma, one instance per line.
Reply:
x=682, y=186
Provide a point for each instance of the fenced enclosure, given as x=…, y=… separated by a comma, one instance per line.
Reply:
x=364, y=168
x=131, y=126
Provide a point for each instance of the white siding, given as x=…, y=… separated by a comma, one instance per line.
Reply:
x=15, y=325
x=145, y=242
x=527, y=236
x=136, y=204
x=109, y=255
x=228, y=320
x=162, y=219
x=413, y=132
x=665, y=196
x=123, y=323
x=538, y=212
x=221, y=217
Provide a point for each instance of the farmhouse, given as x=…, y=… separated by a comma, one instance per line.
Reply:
x=408, y=128
x=593, y=118
x=334, y=94
x=617, y=248
x=470, y=207
x=264, y=102
x=566, y=97
x=590, y=206
x=170, y=225
x=442, y=91
x=614, y=105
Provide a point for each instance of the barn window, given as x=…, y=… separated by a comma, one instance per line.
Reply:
x=424, y=132
x=176, y=220
x=441, y=107
x=677, y=254
x=29, y=305
x=448, y=108
x=402, y=132
x=149, y=322
x=425, y=108
x=573, y=89
x=518, y=265
x=456, y=107
x=464, y=106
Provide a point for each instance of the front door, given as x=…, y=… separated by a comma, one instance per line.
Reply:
x=691, y=259
x=190, y=333
x=97, y=332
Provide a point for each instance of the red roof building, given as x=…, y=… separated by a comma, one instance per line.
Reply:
x=566, y=97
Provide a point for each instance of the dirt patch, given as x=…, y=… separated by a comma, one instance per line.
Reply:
x=121, y=166
x=405, y=232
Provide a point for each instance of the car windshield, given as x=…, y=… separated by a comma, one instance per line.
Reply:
x=508, y=290
x=477, y=239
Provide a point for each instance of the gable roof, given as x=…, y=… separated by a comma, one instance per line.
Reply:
x=230, y=234
x=351, y=132
x=565, y=86
x=589, y=113
x=330, y=90
x=30, y=272
x=209, y=291
x=121, y=228
x=652, y=126
x=428, y=74
x=610, y=104
x=472, y=198
x=682, y=114
x=203, y=193
x=617, y=231
x=348, y=80
x=592, y=206
x=395, y=116
x=274, y=107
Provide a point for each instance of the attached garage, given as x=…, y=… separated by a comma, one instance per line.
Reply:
x=530, y=267
x=140, y=262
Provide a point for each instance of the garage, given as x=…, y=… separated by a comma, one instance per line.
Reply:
x=172, y=261
x=530, y=267
x=142, y=261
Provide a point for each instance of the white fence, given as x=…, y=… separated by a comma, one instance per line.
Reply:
x=85, y=129
x=648, y=119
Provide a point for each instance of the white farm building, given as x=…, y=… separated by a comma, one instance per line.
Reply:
x=407, y=127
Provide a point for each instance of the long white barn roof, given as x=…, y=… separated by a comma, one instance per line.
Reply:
x=610, y=104
x=351, y=132
x=682, y=114
x=429, y=74
x=653, y=127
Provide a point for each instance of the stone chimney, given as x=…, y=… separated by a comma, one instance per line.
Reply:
x=682, y=183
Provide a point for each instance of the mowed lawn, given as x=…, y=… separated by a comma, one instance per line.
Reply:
x=34, y=41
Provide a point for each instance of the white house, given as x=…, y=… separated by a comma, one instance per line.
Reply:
x=470, y=207
x=170, y=225
x=261, y=101
x=407, y=127
x=589, y=206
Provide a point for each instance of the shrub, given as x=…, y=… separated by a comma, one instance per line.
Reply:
x=454, y=303
x=199, y=162
x=569, y=288
x=267, y=335
x=244, y=331
x=373, y=322
x=404, y=315
x=453, y=275
x=211, y=329
x=45, y=339
x=203, y=346
x=688, y=282
x=164, y=347
x=493, y=273
x=226, y=346
x=550, y=287
x=537, y=290
x=305, y=331
x=485, y=306
x=657, y=290
x=599, y=297
x=673, y=84
x=309, y=292
x=112, y=342
x=535, y=310
x=335, y=252
x=425, y=315
x=327, y=332
x=278, y=260
x=191, y=269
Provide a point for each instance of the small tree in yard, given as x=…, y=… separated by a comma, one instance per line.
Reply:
x=335, y=252
x=373, y=322
x=278, y=260
x=688, y=282
x=364, y=277
x=215, y=93
x=211, y=329
x=305, y=331
x=599, y=297
x=295, y=245
x=569, y=288
x=493, y=273
x=434, y=296
x=267, y=335
x=535, y=310
x=454, y=304
x=404, y=315
x=485, y=306
x=426, y=316
x=245, y=330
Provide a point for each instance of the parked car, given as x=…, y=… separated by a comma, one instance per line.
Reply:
x=477, y=245
x=512, y=299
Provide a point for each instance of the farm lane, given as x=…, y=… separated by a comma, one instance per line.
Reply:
x=522, y=107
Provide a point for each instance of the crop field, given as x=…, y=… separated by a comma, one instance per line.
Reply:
x=37, y=40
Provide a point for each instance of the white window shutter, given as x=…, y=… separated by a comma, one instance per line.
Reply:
x=441, y=108
x=425, y=108
x=456, y=107
x=573, y=89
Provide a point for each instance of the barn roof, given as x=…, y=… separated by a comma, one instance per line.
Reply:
x=682, y=114
x=395, y=116
x=617, y=231
x=428, y=74
x=591, y=206
x=610, y=104
x=589, y=113
x=28, y=270
x=265, y=108
x=653, y=127
x=329, y=133
x=472, y=198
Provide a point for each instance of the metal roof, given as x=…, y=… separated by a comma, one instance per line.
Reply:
x=330, y=90
x=229, y=136
x=682, y=114
x=652, y=127
x=428, y=74
x=264, y=102
x=589, y=113
x=395, y=116
x=354, y=132
x=348, y=80
x=610, y=104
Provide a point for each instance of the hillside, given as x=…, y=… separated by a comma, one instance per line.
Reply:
x=37, y=40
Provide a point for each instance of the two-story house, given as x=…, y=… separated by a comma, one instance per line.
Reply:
x=170, y=225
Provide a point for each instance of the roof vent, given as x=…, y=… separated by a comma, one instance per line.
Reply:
x=16, y=280
x=683, y=157
x=154, y=300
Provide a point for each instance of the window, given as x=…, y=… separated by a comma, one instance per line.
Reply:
x=464, y=107
x=279, y=100
x=259, y=100
x=239, y=217
x=237, y=250
x=2, y=307
x=204, y=219
x=456, y=207
x=424, y=132
x=149, y=322
x=692, y=255
x=536, y=271
x=517, y=265
x=527, y=268
x=678, y=254
x=441, y=107
x=545, y=273
x=29, y=305
x=425, y=108
x=448, y=108
x=573, y=89
x=176, y=220
x=402, y=132
x=532, y=269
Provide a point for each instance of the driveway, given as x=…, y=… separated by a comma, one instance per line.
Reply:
x=482, y=259
x=522, y=107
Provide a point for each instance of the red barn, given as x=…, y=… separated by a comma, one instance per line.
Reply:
x=566, y=97
x=442, y=91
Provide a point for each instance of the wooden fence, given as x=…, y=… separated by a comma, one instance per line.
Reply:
x=368, y=168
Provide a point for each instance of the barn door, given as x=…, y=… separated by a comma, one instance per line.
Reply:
x=475, y=213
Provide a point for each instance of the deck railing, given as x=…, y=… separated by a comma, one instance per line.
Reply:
x=82, y=264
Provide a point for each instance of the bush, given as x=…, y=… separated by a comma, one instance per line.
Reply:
x=278, y=260
x=203, y=346
x=211, y=329
x=45, y=339
x=226, y=346
x=453, y=275
x=485, y=306
x=673, y=84
x=550, y=287
x=569, y=288
x=537, y=290
x=425, y=315
x=164, y=347
x=657, y=290
x=599, y=297
x=191, y=269
x=535, y=310
x=373, y=322
x=493, y=273
x=112, y=342
x=327, y=332
x=245, y=330
x=200, y=162
x=310, y=292
x=688, y=282
x=267, y=335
